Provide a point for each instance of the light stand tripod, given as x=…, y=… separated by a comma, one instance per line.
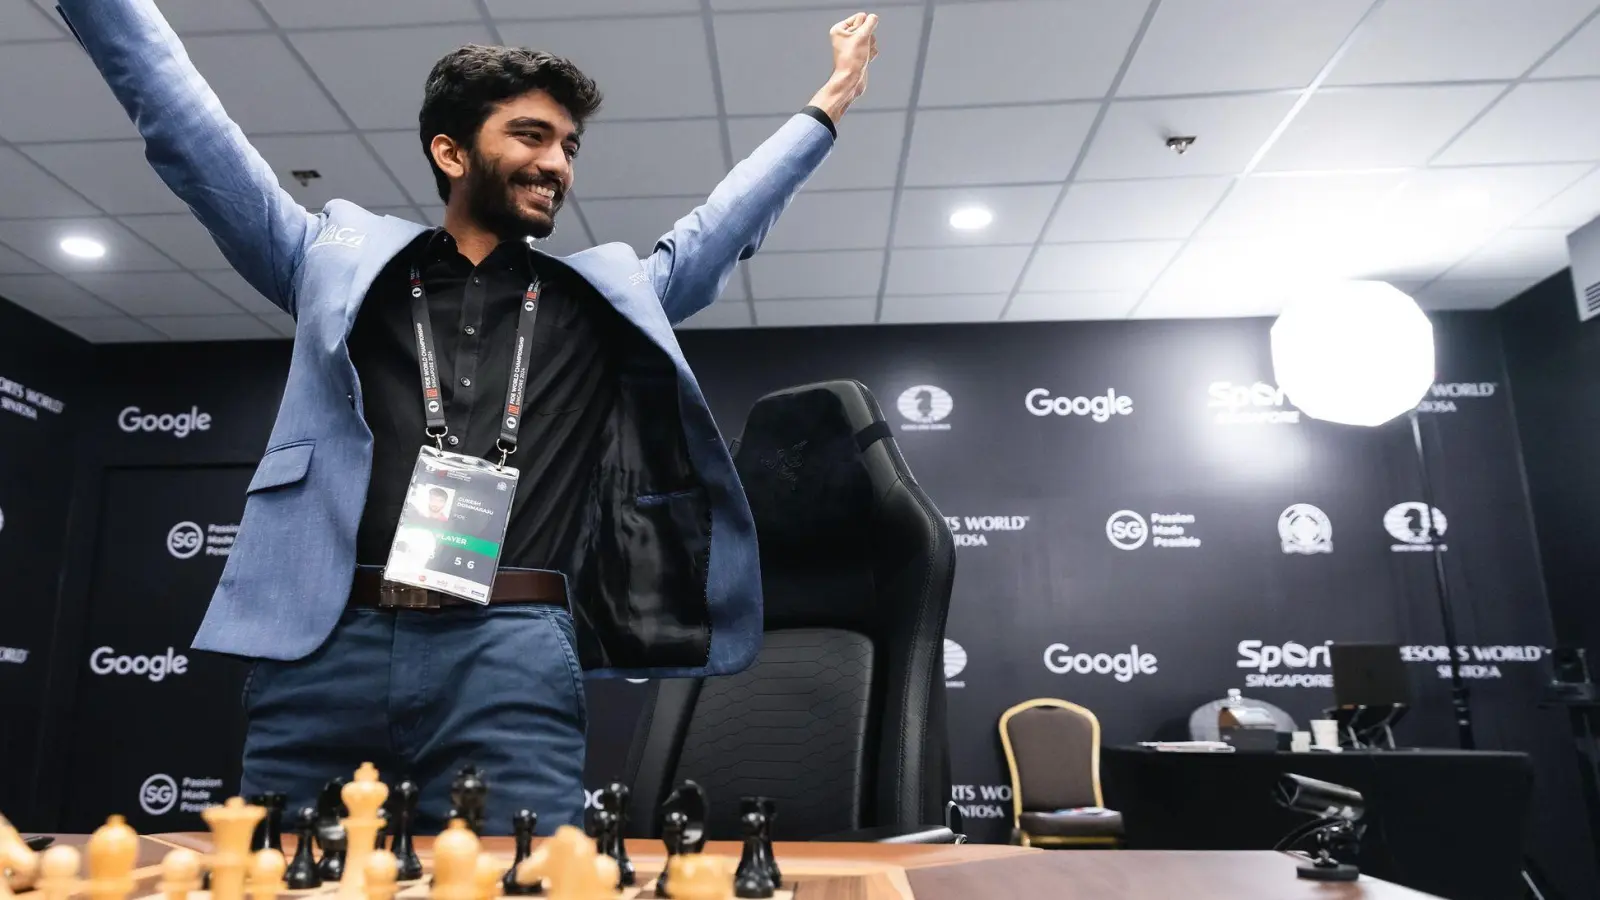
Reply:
x=1460, y=702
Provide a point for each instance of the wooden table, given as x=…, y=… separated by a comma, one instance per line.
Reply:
x=953, y=872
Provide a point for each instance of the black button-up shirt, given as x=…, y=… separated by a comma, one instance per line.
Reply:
x=474, y=313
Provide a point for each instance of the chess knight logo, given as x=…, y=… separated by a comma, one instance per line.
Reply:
x=1305, y=529
x=787, y=464
x=1410, y=524
x=158, y=795
x=925, y=407
x=955, y=662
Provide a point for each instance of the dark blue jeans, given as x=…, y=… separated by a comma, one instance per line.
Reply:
x=420, y=694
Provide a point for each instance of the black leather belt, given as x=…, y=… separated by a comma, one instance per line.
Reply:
x=367, y=591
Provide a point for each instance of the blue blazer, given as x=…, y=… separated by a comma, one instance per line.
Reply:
x=668, y=580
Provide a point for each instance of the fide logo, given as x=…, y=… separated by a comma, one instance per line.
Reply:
x=1410, y=524
x=184, y=540
x=955, y=662
x=158, y=795
x=925, y=407
x=1305, y=529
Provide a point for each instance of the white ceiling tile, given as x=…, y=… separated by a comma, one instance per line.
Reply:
x=1579, y=56
x=1577, y=205
x=180, y=236
x=435, y=214
x=238, y=65
x=279, y=321
x=402, y=152
x=348, y=171
x=235, y=288
x=1453, y=293
x=1202, y=46
x=213, y=328
x=113, y=175
x=322, y=14
x=1019, y=214
x=188, y=16
x=1005, y=144
x=53, y=296
x=73, y=103
x=1034, y=50
x=1370, y=128
x=1071, y=305
x=1455, y=40
x=1472, y=200
x=1276, y=264
x=522, y=9
x=22, y=21
x=1132, y=140
x=720, y=5
x=802, y=313
x=29, y=192
x=117, y=330
x=775, y=62
x=40, y=240
x=866, y=155
x=1177, y=300
x=1098, y=267
x=377, y=76
x=14, y=263
x=835, y=220
x=1312, y=206
x=837, y=273
x=1517, y=253
x=406, y=212
x=646, y=68
x=1163, y=208
x=955, y=270
x=568, y=238
x=157, y=293
x=650, y=159
x=724, y=313
x=942, y=308
x=1536, y=122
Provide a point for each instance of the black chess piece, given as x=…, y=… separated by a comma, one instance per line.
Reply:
x=404, y=799
x=522, y=826
x=768, y=809
x=302, y=872
x=269, y=831
x=690, y=799
x=673, y=825
x=614, y=799
x=469, y=793
x=331, y=836
x=753, y=877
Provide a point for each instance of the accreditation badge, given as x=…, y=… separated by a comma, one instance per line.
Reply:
x=452, y=525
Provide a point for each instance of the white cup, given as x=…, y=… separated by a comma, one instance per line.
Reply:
x=1300, y=742
x=1326, y=731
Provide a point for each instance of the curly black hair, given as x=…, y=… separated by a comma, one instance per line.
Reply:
x=466, y=84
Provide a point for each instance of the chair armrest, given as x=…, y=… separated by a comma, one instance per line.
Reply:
x=894, y=834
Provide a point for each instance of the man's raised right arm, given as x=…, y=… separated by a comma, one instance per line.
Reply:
x=193, y=145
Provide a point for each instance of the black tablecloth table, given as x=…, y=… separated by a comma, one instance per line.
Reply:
x=1447, y=822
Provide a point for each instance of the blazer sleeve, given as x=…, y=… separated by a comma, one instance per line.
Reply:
x=692, y=262
x=192, y=144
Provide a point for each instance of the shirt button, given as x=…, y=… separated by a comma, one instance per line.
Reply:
x=470, y=330
x=466, y=382
x=477, y=280
x=452, y=440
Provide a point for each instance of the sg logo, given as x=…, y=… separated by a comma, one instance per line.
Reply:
x=1127, y=530
x=158, y=795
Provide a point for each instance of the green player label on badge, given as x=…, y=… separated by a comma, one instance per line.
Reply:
x=452, y=525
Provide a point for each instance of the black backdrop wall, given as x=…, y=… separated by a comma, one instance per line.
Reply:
x=42, y=371
x=1116, y=488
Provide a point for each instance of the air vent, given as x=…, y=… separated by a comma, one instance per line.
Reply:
x=1584, y=247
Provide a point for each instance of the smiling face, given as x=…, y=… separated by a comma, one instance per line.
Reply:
x=519, y=169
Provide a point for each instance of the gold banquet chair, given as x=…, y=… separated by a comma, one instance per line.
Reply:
x=1053, y=750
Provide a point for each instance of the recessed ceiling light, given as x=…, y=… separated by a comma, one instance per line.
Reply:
x=83, y=248
x=971, y=218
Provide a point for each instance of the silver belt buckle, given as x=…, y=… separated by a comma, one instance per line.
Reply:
x=405, y=596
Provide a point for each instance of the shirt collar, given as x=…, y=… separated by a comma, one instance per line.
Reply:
x=438, y=244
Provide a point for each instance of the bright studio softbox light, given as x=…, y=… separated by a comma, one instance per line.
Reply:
x=1356, y=352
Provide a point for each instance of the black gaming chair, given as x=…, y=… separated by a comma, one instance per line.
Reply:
x=841, y=721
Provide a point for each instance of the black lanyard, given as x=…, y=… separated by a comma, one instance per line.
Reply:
x=427, y=361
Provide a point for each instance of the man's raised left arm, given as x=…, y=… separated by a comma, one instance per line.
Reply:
x=691, y=263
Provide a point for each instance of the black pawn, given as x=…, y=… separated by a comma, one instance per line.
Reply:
x=522, y=826
x=269, y=831
x=672, y=829
x=470, y=793
x=302, y=872
x=768, y=809
x=753, y=877
x=331, y=836
x=404, y=799
x=614, y=799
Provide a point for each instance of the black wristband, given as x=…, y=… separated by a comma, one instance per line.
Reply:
x=816, y=112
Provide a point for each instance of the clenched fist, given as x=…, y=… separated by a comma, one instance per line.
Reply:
x=855, y=44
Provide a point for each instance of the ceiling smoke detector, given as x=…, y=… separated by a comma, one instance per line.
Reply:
x=306, y=176
x=1180, y=145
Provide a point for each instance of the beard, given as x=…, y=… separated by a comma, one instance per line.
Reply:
x=492, y=201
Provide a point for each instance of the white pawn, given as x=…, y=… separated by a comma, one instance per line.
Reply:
x=180, y=873
x=58, y=872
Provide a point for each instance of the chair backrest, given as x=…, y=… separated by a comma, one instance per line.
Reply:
x=841, y=720
x=1053, y=749
x=1203, y=721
